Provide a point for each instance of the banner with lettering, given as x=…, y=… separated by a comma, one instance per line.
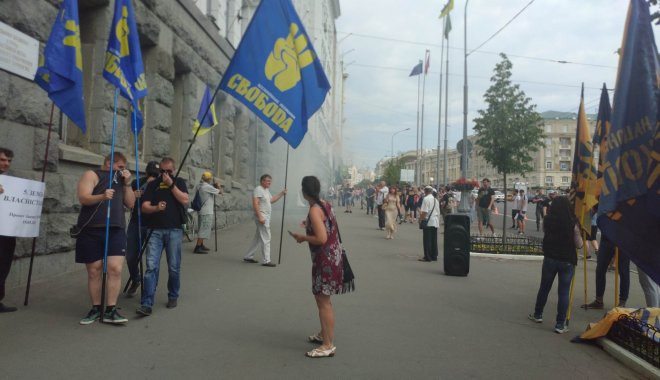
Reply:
x=21, y=201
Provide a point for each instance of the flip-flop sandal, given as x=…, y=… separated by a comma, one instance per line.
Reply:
x=319, y=353
x=315, y=338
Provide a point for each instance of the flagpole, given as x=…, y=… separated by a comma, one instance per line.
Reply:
x=286, y=178
x=107, y=215
x=137, y=185
x=43, y=179
x=444, y=170
x=417, y=181
x=421, y=120
x=215, y=224
x=437, y=152
x=616, y=276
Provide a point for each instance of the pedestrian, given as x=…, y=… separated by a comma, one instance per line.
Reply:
x=430, y=215
x=485, y=201
x=7, y=243
x=371, y=193
x=262, y=202
x=322, y=236
x=539, y=200
x=132, y=237
x=605, y=256
x=207, y=191
x=409, y=204
x=392, y=207
x=381, y=192
x=561, y=239
x=445, y=203
x=650, y=288
x=515, y=210
x=522, y=211
x=165, y=200
x=552, y=194
x=348, y=196
x=93, y=194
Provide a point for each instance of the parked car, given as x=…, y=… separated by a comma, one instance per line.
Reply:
x=499, y=196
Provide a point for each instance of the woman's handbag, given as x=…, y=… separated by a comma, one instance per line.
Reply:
x=424, y=222
x=349, y=278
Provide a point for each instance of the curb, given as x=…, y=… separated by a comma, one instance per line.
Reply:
x=630, y=360
x=507, y=256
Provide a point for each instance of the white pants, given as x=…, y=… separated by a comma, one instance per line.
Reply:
x=261, y=240
x=650, y=288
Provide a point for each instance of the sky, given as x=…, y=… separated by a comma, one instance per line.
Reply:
x=382, y=40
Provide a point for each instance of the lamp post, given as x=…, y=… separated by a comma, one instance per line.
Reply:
x=464, y=154
x=394, y=134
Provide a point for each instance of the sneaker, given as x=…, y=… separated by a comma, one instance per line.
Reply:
x=253, y=261
x=91, y=317
x=269, y=265
x=171, y=304
x=7, y=309
x=135, y=285
x=205, y=248
x=114, y=317
x=143, y=310
x=199, y=249
x=561, y=328
x=533, y=317
x=596, y=304
x=622, y=303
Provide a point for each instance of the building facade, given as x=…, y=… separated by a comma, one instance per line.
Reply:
x=186, y=45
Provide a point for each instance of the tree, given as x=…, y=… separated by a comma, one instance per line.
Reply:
x=392, y=172
x=510, y=129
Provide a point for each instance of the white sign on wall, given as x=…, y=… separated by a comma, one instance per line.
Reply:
x=20, y=206
x=407, y=175
x=19, y=53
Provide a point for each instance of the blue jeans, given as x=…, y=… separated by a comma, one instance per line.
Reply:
x=170, y=240
x=551, y=268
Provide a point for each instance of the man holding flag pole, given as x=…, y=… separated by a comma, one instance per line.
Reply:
x=124, y=69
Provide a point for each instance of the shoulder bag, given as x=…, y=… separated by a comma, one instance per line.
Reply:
x=424, y=222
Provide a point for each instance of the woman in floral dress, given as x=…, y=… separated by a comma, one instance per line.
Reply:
x=327, y=270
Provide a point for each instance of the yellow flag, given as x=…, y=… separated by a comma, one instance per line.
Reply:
x=447, y=8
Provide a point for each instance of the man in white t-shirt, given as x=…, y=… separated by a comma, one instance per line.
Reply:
x=381, y=193
x=430, y=211
x=522, y=211
x=261, y=203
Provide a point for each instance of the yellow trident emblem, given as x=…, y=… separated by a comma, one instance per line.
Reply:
x=288, y=57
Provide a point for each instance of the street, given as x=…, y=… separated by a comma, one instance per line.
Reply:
x=244, y=321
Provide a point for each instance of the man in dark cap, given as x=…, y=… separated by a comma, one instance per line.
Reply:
x=132, y=243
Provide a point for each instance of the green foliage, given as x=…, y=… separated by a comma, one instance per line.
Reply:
x=363, y=184
x=392, y=172
x=342, y=174
x=510, y=129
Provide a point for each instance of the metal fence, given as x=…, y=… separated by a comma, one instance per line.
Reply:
x=515, y=245
x=637, y=337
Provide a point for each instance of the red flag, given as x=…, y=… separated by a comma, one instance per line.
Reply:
x=427, y=62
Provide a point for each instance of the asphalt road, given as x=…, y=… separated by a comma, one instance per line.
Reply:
x=407, y=320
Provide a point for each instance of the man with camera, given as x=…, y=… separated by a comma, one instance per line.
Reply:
x=132, y=242
x=90, y=232
x=164, y=200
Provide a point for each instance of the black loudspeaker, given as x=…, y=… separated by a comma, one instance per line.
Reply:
x=457, y=245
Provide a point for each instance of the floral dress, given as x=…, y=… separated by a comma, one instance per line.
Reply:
x=327, y=270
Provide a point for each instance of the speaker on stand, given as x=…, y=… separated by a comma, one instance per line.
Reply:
x=457, y=245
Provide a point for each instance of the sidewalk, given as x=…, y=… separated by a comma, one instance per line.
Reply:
x=244, y=321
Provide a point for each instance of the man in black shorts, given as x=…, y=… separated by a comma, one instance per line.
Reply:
x=539, y=201
x=94, y=195
x=485, y=199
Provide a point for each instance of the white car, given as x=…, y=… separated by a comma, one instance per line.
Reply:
x=499, y=196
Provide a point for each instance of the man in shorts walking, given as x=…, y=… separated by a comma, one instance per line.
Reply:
x=94, y=194
x=485, y=199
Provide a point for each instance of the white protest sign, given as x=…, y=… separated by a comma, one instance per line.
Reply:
x=407, y=175
x=20, y=206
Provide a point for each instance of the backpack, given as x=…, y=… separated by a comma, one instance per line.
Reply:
x=196, y=202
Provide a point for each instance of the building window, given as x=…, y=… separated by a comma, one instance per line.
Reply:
x=564, y=166
x=548, y=153
x=565, y=152
x=565, y=141
x=548, y=129
x=565, y=129
x=548, y=180
x=548, y=164
x=564, y=179
x=548, y=142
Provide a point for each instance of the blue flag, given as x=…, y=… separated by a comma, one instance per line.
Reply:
x=629, y=208
x=123, y=58
x=276, y=72
x=416, y=70
x=211, y=120
x=60, y=66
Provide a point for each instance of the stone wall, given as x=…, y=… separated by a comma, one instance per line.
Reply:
x=182, y=53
